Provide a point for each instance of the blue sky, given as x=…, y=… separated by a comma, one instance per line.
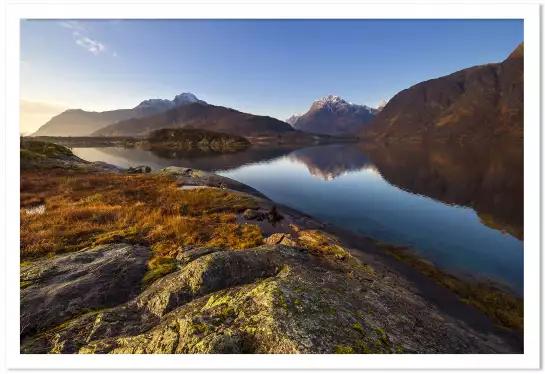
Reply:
x=272, y=67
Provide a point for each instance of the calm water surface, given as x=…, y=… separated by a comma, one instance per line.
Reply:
x=459, y=208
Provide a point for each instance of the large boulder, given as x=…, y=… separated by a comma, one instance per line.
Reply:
x=58, y=289
x=206, y=274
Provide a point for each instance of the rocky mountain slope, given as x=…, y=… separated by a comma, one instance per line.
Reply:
x=77, y=122
x=199, y=116
x=478, y=104
x=293, y=119
x=334, y=116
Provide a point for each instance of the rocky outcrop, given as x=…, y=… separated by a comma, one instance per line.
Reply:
x=194, y=177
x=268, y=299
x=57, y=289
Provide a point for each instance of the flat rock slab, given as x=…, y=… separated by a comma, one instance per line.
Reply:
x=65, y=286
x=194, y=177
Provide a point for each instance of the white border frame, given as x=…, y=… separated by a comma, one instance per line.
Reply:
x=529, y=12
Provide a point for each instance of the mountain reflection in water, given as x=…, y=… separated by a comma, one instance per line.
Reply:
x=460, y=207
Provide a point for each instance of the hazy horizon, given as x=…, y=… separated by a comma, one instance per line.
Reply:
x=267, y=67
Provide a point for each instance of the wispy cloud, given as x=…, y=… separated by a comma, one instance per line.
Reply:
x=91, y=45
x=80, y=33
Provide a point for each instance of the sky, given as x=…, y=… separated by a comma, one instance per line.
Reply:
x=267, y=67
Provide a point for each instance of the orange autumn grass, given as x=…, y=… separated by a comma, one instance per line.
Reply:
x=83, y=210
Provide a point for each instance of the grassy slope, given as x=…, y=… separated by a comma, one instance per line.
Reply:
x=83, y=209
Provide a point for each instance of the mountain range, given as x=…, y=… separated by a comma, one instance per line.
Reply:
x=199, y=116
x=478, y=104
x=78, y=122
x=333, y=115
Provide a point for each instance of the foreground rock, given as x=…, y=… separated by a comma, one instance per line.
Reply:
x=57, y=289
x=268, y=299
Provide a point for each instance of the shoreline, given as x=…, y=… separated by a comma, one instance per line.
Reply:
x=299, y=229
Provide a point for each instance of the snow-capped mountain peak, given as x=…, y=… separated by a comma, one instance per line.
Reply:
x=185, y=98
x=333, y=115
x=337, y=103
x=181, y=99
x=155, y=102
x=330, y=99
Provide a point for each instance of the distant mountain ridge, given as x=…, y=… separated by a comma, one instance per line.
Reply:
x=333, y=115
x=199, y=116
x=78, y=122
x=477, y=104
x=293, y=119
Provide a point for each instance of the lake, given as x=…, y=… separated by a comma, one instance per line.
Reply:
x=461, y=208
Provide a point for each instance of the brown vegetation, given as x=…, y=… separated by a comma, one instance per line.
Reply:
x=83, y=210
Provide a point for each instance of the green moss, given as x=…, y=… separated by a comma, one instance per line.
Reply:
x=362, y=347
x=339, y=349
x=358, y=327
x=33, y=149
x=129, y=236
x=283, y=302
x=159, y=268
x=26, y=155
x=223, y=314
x=399, y=349
x=383, y=339
x=200, y=328
x=217, y=299
x=25, y=284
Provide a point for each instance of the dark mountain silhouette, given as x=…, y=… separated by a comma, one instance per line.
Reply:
x=334, y=116
x=78, y=122
x=199, y=116
x=477, y=104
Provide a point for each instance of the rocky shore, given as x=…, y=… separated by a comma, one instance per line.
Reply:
x=267, y=279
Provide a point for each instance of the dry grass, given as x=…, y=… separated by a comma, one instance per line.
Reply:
x=83, y=210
